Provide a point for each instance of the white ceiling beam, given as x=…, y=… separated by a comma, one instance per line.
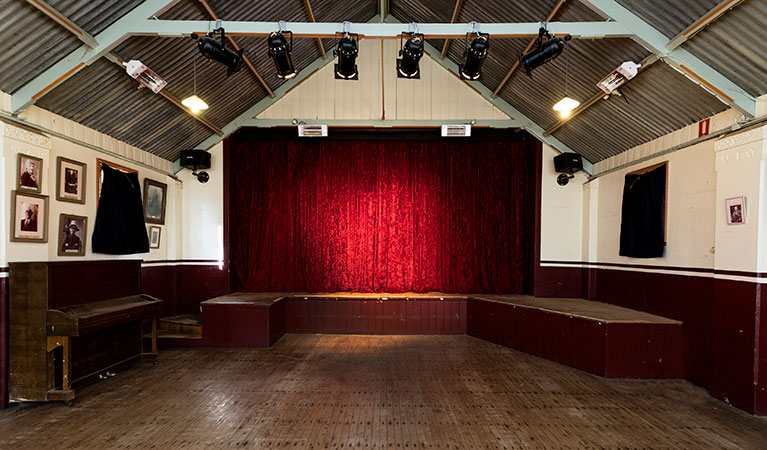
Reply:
x=65, y=22
x=685, y=62
x=705, y=20
x=578, y=30
x=271, y=123
x=84, y=55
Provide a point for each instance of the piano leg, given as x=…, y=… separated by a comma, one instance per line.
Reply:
x=151, y=355
x=66, y=393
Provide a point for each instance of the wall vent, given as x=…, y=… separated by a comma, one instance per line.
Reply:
x=312, y=130
x=456, y=130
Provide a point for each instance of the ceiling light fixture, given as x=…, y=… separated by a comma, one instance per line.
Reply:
x=566, y=106
x=280, y=50
x=193, y=102
x=144, y=75
x=346, y=67
x=543, y=51
x=218, y=52
x=475, y=54
x=411, y=53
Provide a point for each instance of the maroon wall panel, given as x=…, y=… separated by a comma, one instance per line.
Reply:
x=391, y=316
x=81, y=282
x=4, y=350
x=734, y=332
x=561, y=282
x=685, y=298
x=236, y=326
x=760, y=397
x=276, y=321
x=160, y=282
x=638, y=350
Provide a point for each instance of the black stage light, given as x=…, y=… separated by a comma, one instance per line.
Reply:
x=543, y=51
x=475, y=54
x=216, y=51
x=280, y=50
x=411, y=52
x=346, y=69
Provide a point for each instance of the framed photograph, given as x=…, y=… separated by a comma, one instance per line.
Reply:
x=30, y=174
x=736, y=210
x=70, y=180
x=154, y=236
x=100, y=176
x=29, y=217
x=154, y=201
x=72, y=232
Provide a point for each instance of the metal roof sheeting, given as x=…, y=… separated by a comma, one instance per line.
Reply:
x=669, y=17
x=644, y=113
x=31, y=42
x=735, y=46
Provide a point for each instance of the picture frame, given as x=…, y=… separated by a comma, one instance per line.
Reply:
x=29, y=173
x=154, y=236
x=735, y=210
x=70, y=180
x=100, y=176
x=73, y=231
x=155, y=194
x=29, y=217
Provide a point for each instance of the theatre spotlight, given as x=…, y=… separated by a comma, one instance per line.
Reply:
x=543, y=51
x=475, y=54
x=411, y=53
x=346, y=67
x=216, y=51
x=279, y=50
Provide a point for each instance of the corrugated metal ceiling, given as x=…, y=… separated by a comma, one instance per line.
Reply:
x=104, y=98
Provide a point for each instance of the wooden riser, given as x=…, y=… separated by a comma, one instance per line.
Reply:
x=187, y=325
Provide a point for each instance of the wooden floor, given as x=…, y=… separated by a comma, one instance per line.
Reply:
x=393, y=392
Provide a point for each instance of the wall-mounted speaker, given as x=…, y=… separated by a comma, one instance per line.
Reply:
x=195, y=159
x=568, y=163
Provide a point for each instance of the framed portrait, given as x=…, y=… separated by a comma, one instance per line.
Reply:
x=154, y=201
x=72, y=232
x=29, y=217
x=70, y=180
x=736, y=210
x=154, y=236
x=29, y=174
x=100, y=175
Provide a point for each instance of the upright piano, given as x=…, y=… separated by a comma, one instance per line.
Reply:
x=73, y=322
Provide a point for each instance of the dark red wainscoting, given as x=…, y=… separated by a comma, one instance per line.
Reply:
x=184, y=286
x=4, y=351
x=561, y=282
x=390, y=316
x=685, y=298
x=760, y=397
x=734, y=343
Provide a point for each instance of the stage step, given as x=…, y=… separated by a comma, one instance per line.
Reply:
x=186, y=326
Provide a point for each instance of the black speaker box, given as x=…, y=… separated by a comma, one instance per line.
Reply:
x=195, y=159
x=568, y=163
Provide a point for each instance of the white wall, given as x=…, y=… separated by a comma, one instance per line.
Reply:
x=202, y=217
x=379, y=94
x=15, y=140
x=561, y=213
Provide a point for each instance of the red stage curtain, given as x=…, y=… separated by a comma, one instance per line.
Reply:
x=382, y=216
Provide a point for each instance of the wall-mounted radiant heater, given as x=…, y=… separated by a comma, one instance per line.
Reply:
x=312, y=130
x=144, y=75
x=617, y=77
x=456, y=130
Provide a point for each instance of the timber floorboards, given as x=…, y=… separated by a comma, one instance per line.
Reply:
x=380, y=392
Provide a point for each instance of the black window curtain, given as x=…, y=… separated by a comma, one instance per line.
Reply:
x=120, y=227
x=643, y=218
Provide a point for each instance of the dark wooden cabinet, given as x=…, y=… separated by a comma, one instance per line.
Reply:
x=73, y=321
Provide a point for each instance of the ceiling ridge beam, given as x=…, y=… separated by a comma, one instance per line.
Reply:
x=527, y=48
x=388, y=30
x=83, y=56
x=245, y=58
x=456, y=10
x=65, y=22
x=680, y=59
x=381, y=123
